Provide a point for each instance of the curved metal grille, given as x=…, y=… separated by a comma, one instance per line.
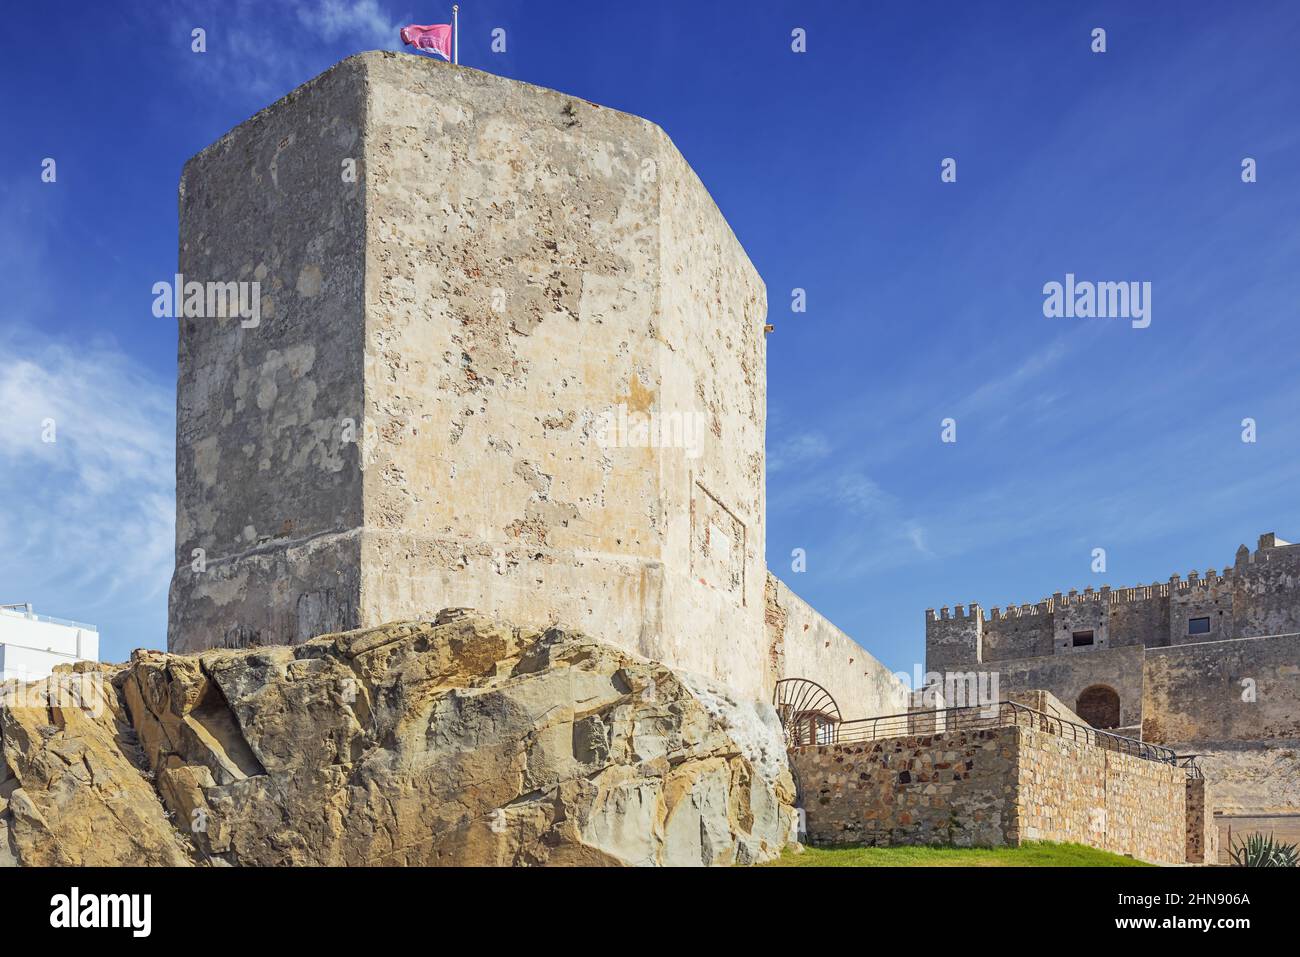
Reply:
x=808, y=712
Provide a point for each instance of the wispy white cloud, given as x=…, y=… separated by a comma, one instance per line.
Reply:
x=259, y=56
x=860, y=495
x=86, y=474
x=362, y=20
x=887, y=525
x=799, y=449
x=1006, y=387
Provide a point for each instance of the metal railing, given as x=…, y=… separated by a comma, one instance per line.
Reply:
x=1189, y=764
x=24, y=610
x=1003, y=714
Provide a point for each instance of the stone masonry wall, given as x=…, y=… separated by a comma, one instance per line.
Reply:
x=1236, y=704
x=1250, y=777
x=268, y=489
x=1073, y=791
x=954, y=788
x=1247, y=689
x=1202, y=832
x=991, y=787
x=803, y=644
x=1068, y=676
x=538, y=266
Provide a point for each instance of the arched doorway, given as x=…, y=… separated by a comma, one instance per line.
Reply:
x=1099, y=706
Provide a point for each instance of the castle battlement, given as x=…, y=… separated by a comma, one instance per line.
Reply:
x=1270, y=548
x=1090, y=647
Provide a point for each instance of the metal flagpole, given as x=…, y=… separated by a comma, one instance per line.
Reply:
x=455, y=33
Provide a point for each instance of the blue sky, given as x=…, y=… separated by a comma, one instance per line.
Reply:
x=924, y=298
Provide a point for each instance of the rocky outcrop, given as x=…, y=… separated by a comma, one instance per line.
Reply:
x=457, y=741
x=72, y=783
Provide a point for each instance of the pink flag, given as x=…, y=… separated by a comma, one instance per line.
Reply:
x=435, y=38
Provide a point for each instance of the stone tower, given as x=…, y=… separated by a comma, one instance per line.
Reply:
x=475, y=293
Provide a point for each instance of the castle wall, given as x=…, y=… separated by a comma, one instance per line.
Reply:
x=713, y=369
x=1067, y=676
x=1250, y=777
x=954, y=641
x=268, y=490
x=1246, y=689
x=1235, y=704
x=1228, y=692
x=1071, y=791
x=1258, y=596
x=1141, y=619
x=1202, y=831
x=523, y=281
x=992, y=787
x=622, y=292
x=1213, y=599
x=1026, y=636
x=803, y=644
x=1266, y=590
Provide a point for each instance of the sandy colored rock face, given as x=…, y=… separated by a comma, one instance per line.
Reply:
x=73, y=783
x=462, y=741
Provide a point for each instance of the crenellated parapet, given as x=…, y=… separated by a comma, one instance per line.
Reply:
x=957, y=611
x=1258, y=594
x=1113, y=596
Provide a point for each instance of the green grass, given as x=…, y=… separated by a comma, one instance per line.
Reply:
x=1031, y=854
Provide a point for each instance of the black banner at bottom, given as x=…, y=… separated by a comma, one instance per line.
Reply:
x=139, y=907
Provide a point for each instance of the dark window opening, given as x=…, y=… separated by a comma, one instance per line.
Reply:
x=1198, y=626
x=1082, y=639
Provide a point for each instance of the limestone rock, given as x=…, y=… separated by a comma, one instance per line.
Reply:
x=457, y=741
x=73, y=787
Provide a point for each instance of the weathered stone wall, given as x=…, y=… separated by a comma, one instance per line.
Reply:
x=1236, y=704
x=514, y=270
x=953, y=642
x=954, y=788
x=1202, y=832
x=1044, y=701
x=1247, y=689
x=1068, y=676
x=1073, y=791
x=992, y=787
x=1019, y=636
x=803, y=644
x=624, y=290
x=1250, y=777
x=1265, y=589
x=268, y=493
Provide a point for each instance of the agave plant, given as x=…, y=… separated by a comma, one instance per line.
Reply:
x=1258, y=850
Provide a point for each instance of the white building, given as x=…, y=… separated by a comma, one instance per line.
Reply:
x=31, y=645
